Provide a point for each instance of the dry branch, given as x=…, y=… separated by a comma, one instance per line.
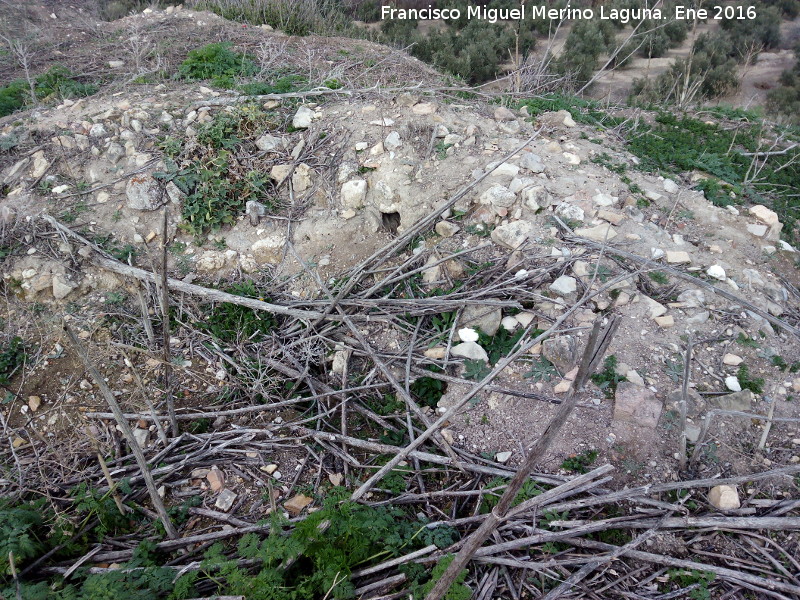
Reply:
x=158, y=503
x=595, y=348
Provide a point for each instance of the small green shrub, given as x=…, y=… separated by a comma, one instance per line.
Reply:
x=12, y=358
x=56, y=83
x=579, y=463
x=754, y=384
x=232, y=322
x=608, y=379
x=216, y=183
x=218, y=63
x=659, y=277
x=427, y=390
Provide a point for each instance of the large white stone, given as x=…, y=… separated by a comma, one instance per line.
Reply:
x=354, y=193
x=716, y=272
x=303, y=118
x=512, y=235
x=469, y=350
x=468, y=334
x=598, y=233
x=564, y=285
x=732, y=383
x=724, y=497
x=498, y=196
x=765, y=215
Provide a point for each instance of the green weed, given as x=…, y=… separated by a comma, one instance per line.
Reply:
x=12, y=358
x=475, y=370
x=529, y=490
x=58, y=82
x=427, y=390
x=500, y=344
x=754, y=384
x=746, y=341
x=541, y=370
x=659, y=277
x=218, y=63
x=211, y=176
x=232, y=322
x=685, y=579
x=608, y=379
x=579, y=463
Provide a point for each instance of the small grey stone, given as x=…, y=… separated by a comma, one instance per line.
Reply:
x=498, y=196
x=142, y=437
x=485, y=318
x=741, y=401
x=512, y=235
x=115, y=152
x=470, y=350
x=98, y=130
x=225, y=500
x=142, y=193
x=532, y=162
x=392, y=141
x=564, y=285
x=303, y=118
x=692, y=298
x=353, y=193
x=501, y=113
x=502, y=457
x=637, y=405
x=561, y=351
x=62, y=287
x=269, y=143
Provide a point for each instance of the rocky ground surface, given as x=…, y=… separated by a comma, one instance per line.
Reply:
x=350, y=174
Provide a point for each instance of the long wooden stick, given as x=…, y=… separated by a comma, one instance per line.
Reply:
x=570, y=582
x=164, y=290
x=101, y=259
x=158, y=503
x=599, y=340
x=687, y=371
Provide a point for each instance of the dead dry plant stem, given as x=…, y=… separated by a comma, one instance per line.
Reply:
x=158, y=503
x=501, y=364
x=101, y=259
x=148, y=324
x=173, y=421
x=111, y=484
x=599, y=340
x=687, y=370
x=732, y=575
x=567, y=585
x=12, y=567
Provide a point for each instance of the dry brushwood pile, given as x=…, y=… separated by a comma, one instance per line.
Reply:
x=387, y=343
